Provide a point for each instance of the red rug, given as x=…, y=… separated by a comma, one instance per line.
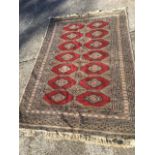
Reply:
x=83, y=80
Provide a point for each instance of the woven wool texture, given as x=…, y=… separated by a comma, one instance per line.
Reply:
x=83, y=79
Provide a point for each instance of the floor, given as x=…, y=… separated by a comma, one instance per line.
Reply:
x=34, y=18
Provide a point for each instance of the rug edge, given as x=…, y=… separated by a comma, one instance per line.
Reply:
x=117, y=142
x=89, y=14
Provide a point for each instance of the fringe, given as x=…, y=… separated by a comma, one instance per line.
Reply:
x=98, y=140
x=90, y=13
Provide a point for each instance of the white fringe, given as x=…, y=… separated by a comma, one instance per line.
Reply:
x=98, y=140
x=92, y=13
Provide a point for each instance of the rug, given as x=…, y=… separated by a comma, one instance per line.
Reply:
x=83, y=79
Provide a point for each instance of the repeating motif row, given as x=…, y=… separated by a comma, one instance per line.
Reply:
x=94, y=68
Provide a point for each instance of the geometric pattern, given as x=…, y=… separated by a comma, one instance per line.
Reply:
x=71, y=35
x=99, y=33
x=67, y=56
x=97, y=24
x=73, y=27
x=95, y=55
x=58, y=97
x=96, y=44
x=96, y=83
x=69, y=45
x=94, y=68
x=93, y=99
x=61, y=82
x=64, y=69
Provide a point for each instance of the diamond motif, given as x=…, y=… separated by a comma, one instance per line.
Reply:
x=71, y=35
x=96, y=44
x=94, y=68
x=95, y=55
x=61, y=82
x=93, y=99
x=96, y=33
x=96, y=83
x=68, y=56
x=58, y=97
x=97, y=24
x=64, y=68
x=73, y=27
x=70, y=45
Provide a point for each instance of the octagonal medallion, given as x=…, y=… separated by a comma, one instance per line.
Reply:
x=96, y=83
x=70, y=45
x=99, y=33
x=73, y=27
x=64, y=69
x=96, y=44
x=95, y=68
x=61, y=82
x=67, y=56
x=95, y=55
x=95, y=99
x=58, y=97
x=71, y=35
x=97, y=24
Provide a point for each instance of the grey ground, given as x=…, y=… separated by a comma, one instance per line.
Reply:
x=34, y=18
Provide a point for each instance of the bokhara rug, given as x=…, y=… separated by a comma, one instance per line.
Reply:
x=83, y=79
